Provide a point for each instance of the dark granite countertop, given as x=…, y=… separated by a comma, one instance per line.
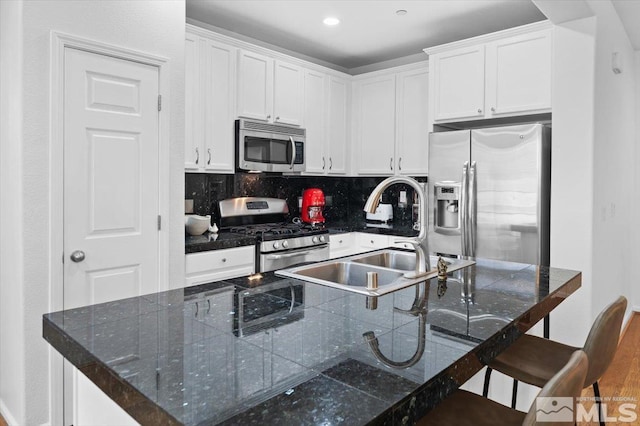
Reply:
x=186, y=357
x=225, y=240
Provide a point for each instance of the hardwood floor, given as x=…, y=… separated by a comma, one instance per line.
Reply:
x=622, y=379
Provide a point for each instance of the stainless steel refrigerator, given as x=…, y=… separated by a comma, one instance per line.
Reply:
x=489, y=192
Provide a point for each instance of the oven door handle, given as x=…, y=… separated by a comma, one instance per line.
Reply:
x=297, y=253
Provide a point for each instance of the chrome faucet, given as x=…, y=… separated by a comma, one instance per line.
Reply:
x=420, y=243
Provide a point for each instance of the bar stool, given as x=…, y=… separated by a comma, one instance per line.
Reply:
x=466, y=408
x=535, y=360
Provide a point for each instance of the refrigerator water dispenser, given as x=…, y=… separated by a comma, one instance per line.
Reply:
x=447, y=214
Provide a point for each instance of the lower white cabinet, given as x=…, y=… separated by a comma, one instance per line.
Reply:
x=218, y=265
x=92, y=407
x=342, y=245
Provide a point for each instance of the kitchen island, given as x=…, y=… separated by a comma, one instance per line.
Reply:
x=271, y=350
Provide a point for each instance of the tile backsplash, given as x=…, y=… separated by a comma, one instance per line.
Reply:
x=348, y=194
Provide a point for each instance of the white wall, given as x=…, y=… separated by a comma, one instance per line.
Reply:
x=12, y=388
x=635, y=281
x=572, y=172
x=614, y=165
x=150, y=26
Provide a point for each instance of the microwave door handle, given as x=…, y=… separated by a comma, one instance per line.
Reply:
x=293, y=152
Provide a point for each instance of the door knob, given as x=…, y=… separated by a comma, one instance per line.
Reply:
x=77, y=256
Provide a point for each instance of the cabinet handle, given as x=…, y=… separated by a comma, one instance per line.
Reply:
x=224, y=259
x=479, y=110
x=340, y=241
x=268, y=116
x=330, y=163
x=323, y=163
x=391, y=163
x=209, y=153
x=277, y=118
x=493, y=109
x=371, y=241
x=197, y=156
x=400, y=164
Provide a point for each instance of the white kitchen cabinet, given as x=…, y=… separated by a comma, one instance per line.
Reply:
x=210, y=78
x=458, y=84
x=374, y=108
x=412, y=129
x=391, y=122
x=342, y=245
x=315, y=121
x=215, y=265
x=495, y=75
x=268, y=89
x=367, y=242
x=337, y=125
x=519, y=74
x=325, y=120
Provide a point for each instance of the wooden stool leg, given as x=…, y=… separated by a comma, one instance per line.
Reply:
x=487, y=376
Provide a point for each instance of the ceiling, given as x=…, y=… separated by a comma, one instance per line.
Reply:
x=629, y=13
x=369, y=32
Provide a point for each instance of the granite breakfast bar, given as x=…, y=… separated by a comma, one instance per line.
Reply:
x=272, y=350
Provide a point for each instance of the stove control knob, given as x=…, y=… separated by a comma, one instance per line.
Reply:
x=276, y=245
x=285, y=244
x=314, y=240
x=322, y=239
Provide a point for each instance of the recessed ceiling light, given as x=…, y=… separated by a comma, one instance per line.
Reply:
x=401, y=12
x=331, y=21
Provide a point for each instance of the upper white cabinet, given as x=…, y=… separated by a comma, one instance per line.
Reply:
x=325, y=120
x=209, y=105
x=268, y=89
x=391, y=123
x=412, y=127
x=519, y=74
x=375, y=111
x=496, y=75
x=458, y=83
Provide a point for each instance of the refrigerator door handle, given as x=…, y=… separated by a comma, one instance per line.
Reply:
x=473, y=211
x=464, y=228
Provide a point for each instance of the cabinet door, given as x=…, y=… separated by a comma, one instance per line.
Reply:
x=337, y=126
x=458, y=90
x=412, y=133
x=376, y=99
x=219, y=84
x=287, y=95
x=314, y=121
x=255, y=86
x=192, y=105
x=519, y=74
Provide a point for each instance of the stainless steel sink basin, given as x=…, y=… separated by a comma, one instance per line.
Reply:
x=350, y=273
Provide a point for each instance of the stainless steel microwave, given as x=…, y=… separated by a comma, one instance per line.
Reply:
x=268, y=147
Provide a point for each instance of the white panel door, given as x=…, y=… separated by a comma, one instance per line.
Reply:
x=287, y=93
x=412, y=137
x=377, y=117
x=192, y=104
x=314, y=121
x=255, y=86
x=519, y=74
x=458, y=90
x=111, y=155
x=219, y=88
x=337, y=126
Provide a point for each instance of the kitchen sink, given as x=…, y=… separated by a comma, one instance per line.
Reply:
x=394, y=259
x=350, y=273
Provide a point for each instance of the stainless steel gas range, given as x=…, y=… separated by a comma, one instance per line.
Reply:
x=280, y=242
